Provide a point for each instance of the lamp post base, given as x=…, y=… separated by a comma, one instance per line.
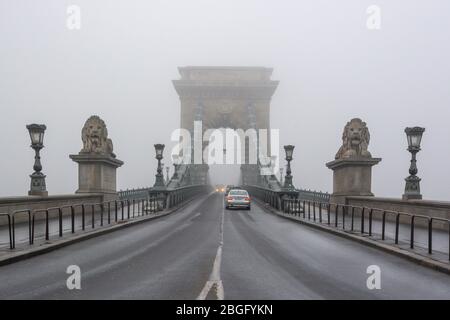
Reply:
x=159, y=181
x=288, y=182
x=412, y=188
x=37, y=186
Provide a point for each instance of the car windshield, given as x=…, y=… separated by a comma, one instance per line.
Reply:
x=238, y=193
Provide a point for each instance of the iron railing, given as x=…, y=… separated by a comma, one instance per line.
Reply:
x=179, y=195
x=133, y=193
x=316, y=206
x=268, y=196
x=100, y=214
x=311, y=195
x=8, y=217
x=354, y=218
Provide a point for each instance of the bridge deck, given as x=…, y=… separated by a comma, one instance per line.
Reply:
x=263, y=256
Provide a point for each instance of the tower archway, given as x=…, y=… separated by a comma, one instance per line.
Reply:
x=225, y=97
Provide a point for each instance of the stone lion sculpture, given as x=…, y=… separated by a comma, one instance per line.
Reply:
x=95, y=137
x=355, y=140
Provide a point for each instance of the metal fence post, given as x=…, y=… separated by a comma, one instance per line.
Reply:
x=320, y=212
x=83, y=212
x=328, y=212
x=397, y=226
x=430, y=235
x=102, y=209
x=60, y=222
x=93, y=215
x=109, y=212
x=362, y=220
x=72, y=218
x=353, y=218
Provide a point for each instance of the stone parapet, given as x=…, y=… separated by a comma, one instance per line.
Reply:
x=428, y=208
x=11, y=204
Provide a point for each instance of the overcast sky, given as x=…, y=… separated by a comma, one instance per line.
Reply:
x=331, y=68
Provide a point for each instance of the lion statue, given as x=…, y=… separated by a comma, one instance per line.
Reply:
x=355, y=140
x=95, y=137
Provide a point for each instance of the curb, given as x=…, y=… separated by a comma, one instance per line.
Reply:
x=48, y=247
x=411, y=256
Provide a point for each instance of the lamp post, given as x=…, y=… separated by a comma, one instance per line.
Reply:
x=159, y=182
x=37, y=186
x=412, y=187
x=289, y=149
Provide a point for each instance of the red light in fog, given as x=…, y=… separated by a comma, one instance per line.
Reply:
x=247, y=199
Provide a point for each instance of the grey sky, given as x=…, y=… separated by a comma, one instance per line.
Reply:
x=330, y=66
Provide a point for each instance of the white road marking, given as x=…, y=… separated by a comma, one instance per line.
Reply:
x=214, y=278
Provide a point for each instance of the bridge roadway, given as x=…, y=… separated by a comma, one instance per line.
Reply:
x=207, y=252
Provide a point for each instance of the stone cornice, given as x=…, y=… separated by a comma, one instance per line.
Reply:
x=350, y=162
x=240, y=89
x=96, y=158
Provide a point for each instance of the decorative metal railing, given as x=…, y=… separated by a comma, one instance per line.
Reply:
x=133, y=193
x=169, y=198
x=273, y=198
x=310, y=195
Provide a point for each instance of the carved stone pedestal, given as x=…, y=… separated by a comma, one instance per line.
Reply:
x=352, y=177
x=97, y=163
x=96, y=173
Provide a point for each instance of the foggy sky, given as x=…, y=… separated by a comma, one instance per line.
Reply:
x=330, y=66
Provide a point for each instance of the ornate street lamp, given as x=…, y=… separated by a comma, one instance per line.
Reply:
x=289, y=149
x=412, y=187
x=37, y=186
x=159, y=182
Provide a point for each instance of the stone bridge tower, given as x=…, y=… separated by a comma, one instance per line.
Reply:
x=225, y=97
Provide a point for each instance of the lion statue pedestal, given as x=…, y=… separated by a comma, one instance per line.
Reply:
x=97, y=163
x=352, y=167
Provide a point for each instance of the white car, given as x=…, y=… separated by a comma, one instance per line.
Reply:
x=237, y=198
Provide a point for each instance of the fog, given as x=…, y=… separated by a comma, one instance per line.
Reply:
x=331, y=68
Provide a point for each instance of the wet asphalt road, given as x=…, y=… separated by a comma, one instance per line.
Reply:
x=204, y=251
